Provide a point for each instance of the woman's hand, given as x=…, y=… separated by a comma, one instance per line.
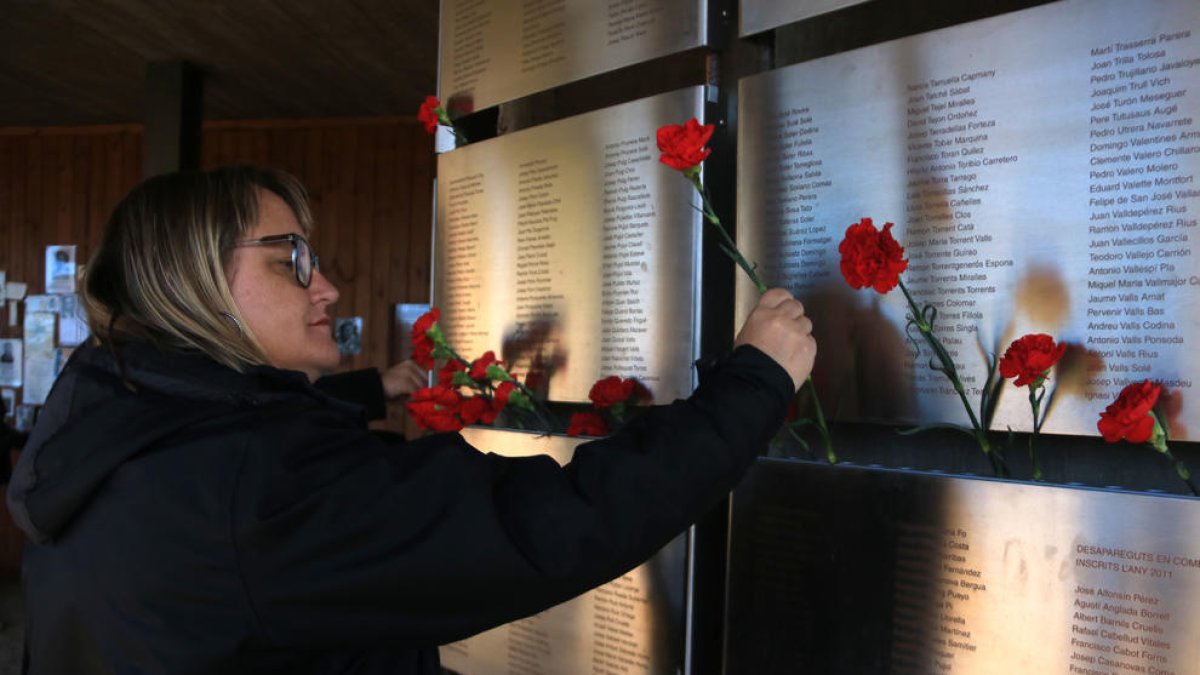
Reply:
x=778, y=328
x=403, y=379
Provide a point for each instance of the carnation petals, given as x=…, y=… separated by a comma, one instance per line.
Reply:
x=871, y=258
x=428, y=114
x=1130, y=417
x=682, y=145
x=1030, y=358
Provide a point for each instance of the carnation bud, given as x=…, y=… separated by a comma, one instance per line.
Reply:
x=498, y=373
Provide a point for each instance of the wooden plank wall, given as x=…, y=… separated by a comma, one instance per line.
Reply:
x=57, y=186
x=371, y=183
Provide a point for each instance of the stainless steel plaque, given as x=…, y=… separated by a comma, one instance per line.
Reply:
x=570, y=251
x=634, y=625
x=756, y=16
x=881, y=571
x=494, y=51
x=1041, y=168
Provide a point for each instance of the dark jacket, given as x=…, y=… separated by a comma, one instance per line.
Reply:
x=190, y=519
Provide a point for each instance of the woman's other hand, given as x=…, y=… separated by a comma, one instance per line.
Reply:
x=403, y=379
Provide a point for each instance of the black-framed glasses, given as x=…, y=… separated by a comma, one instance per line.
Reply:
x=304, y=261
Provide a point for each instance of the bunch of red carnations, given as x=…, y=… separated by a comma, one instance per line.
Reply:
x=467, y=392
x=479, y=391
x=433, y=114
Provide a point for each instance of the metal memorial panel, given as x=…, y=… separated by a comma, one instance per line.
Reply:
x=859, y=571
x=757, y=16
x=634, y=625
x=1041, y=168
x=571, y=252
x=493, y=51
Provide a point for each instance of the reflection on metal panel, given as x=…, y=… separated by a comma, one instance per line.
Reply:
x=633, y=624
x=1041, y=168
x=571, y=252
x=756, y=16
x=843, y=570
x=494, y=51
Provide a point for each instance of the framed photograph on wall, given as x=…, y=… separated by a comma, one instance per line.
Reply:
x=8, y=397
x=10, y=363
x=60, y=269
x=347, y=332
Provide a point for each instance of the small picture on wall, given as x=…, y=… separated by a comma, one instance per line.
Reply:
x=72, y=322
x=10, y=363
x=348, y=334
x=8, y=397
x=60, y=269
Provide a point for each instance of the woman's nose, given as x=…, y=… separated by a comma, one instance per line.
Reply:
x=321, y=290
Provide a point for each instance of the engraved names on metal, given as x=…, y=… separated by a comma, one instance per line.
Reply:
x=633, y=625
x=1041, y=168
x=960, y=576
x=493, y=51
x=571, y=252
x=756, y=16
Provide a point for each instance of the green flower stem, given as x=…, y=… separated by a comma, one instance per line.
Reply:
x=444, y=117
x=822, y=427
x=1182, y=470
x=951, y=371
x=732, y=251
x=730, y=247
x=1035, y=404
x=1158, y=441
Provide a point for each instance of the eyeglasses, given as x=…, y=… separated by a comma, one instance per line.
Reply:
x=304, y=261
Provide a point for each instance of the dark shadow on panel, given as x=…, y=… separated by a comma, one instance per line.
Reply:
x=833, y=571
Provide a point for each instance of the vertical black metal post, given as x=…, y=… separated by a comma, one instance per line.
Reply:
x=174, y=92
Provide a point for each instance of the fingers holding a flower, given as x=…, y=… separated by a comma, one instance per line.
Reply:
x=779, y=328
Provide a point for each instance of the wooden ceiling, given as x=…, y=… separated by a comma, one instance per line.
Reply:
x=78, y=62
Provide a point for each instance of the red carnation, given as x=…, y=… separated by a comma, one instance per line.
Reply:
x=446, y=374
x=480, y=365
x=423, y=345
x=500, y=399
x=871, y=258
x=428, y=114
x=1131, y=416
x=587, y=424
x=682, y=145
x=1030, y=358
x=476, y=409
x=610, y=391
x=435, y=408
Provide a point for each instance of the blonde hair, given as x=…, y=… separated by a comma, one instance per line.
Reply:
x=159, y=272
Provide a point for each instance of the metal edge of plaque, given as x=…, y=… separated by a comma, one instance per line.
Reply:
x=759, y=16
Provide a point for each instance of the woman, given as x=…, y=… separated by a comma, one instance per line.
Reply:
x=197, y=506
